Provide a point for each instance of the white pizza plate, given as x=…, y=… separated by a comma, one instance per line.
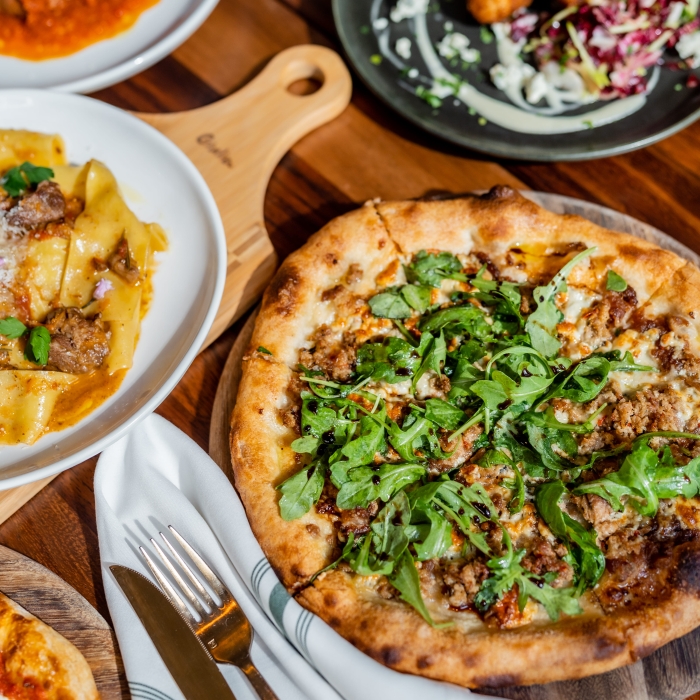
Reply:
x=157, y=33
x=159, y=184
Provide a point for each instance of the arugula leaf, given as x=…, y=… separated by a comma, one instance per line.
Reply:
x=444, y=414
x=363, y=448
x=505, y=296
x=544, y=439
x=589, y=560
x=12, y=327
x=615, y=283
x=584, y=382
x=620, y=362
x=634, y=480
x=554, y=600
x=643, y=479
x=417, y=297
x=37, y=348
x=431, y=268
x=305, y=444
x=406, y=581
x=408, y=437
x=541, y=325
x=490, y=392
x=389, y=304
x=317, y=419
x=522, y=456
x=547, y=419
x=672, y=480
x=362, y=485
x=507, y=571
x=458, y=320
x=393, y=360
x=430, y=532
x=463, y=504
x=389, y=527
x=433, y=358
x=365, y=562
x=518, y=486
x=301, y=491
x=463, y=377
x=385, y=542
x=16, y=180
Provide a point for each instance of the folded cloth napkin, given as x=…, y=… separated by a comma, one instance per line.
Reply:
x=156, y=476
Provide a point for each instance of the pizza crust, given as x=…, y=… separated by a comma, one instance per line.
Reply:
x=475, y=655
x=352, y=249
x=293, y=307
x=503, y=219
x=263, y=459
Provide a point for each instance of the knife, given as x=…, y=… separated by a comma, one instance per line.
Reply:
x=188, y=661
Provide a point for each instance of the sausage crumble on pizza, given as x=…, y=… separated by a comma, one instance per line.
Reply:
x=467, y=436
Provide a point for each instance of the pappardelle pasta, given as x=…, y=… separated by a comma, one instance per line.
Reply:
x=75, y=276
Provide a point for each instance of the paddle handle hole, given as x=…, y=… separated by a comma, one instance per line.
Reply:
x=302, y=78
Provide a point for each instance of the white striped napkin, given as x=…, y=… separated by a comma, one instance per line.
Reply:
x=156, y=476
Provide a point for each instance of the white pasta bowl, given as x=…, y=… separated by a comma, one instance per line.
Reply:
x=160, y=184
x=157, y=33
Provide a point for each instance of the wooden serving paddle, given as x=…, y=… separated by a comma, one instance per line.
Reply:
x=237, y=142
x=56, y=603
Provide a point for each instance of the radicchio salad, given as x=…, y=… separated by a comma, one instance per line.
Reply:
x=553, y=60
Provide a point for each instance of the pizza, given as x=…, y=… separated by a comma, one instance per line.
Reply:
x=37, y=663
x=467, y=436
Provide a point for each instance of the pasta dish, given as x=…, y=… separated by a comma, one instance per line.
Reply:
x=75, y=269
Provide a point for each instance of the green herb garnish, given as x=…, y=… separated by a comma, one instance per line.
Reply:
x=615, y=283
x=37, y=348
x=12, y=328
x=17, y=180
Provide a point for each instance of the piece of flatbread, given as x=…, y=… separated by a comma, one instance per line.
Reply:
x=38, y=661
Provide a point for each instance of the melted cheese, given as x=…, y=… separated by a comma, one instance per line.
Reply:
x=576, y=301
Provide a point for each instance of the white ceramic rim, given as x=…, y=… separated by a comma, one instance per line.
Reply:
x=143, y=59
x=171, y=380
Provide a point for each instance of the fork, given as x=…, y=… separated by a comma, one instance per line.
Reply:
x=223, y=628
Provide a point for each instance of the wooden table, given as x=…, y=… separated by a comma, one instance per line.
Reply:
x=367, y=152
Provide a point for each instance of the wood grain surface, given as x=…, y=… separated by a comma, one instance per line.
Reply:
x=671, y=673
x=367, y=151
x=53, y=601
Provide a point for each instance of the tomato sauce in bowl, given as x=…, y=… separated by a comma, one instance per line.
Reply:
x=55, y=28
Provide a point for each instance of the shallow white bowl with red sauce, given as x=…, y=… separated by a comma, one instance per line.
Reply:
x=158, y=32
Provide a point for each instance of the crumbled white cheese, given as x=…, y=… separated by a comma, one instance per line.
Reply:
x=403, y=47
x=512, y=75
x=688, y=47
x=406, y=9
x=456, y=45
x=380, y=23
x=578, y=299
x=413, y=73
x=603, y=39
x=423, y=389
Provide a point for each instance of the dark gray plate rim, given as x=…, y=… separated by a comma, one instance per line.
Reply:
x=433, y=126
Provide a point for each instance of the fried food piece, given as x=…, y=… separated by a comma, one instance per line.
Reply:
x=12, y=7
x=488, y=11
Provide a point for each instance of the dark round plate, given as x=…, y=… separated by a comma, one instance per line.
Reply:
x=670, y=106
